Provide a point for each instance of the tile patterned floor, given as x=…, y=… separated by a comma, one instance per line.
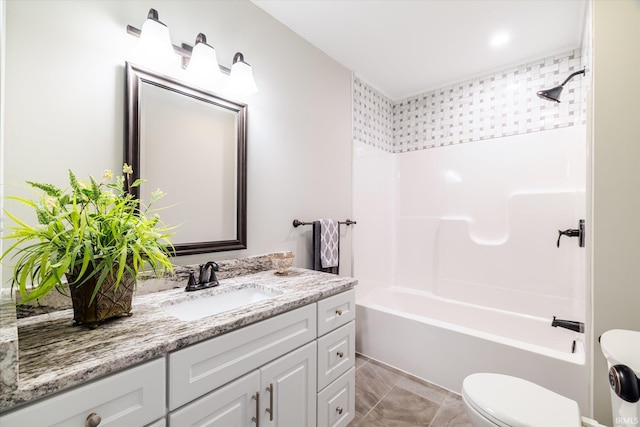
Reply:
x=386, y=397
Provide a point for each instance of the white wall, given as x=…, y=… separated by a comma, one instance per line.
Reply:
x=616, y=180
x=65, y=108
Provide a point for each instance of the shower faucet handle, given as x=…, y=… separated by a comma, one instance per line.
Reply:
x=573, y=232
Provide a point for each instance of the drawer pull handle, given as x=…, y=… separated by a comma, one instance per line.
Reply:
x=338, y=312
x=340, y=354
x=270, y=408
x=93, y=420
x=339, y=410
x=256, y=419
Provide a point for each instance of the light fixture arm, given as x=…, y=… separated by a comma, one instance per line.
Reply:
x=153, y=14
x=238, y=57
x=201, y=38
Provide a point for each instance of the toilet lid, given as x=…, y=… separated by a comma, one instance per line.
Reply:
x=511, y=401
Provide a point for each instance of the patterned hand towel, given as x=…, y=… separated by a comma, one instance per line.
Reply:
x=329, y=243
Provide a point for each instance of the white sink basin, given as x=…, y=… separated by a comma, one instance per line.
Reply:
x=208, y=305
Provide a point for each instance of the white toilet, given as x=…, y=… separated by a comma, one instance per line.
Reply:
x=501, y=400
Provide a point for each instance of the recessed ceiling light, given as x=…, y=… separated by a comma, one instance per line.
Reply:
x=499, y=39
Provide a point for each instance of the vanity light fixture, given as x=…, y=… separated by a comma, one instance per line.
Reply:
x=155, y=50
x=203, y=68
x=241, y=78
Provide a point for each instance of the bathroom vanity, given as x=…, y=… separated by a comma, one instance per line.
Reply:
x=283, y=361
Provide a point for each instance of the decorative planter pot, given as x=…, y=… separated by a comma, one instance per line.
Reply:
x=108, y=302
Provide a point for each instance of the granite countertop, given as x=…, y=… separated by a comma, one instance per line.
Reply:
x=50, y=354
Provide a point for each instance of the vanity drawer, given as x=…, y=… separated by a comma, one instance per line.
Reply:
x=336, y=354
x=134, y=397
x=336, y=403
x=336, y=311
x=200, y=368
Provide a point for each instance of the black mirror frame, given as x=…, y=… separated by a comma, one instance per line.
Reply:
x=135, y=76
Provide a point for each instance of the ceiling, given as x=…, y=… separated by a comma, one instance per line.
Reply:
x=404, y=47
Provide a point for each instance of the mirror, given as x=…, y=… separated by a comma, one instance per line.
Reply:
x=191, y=144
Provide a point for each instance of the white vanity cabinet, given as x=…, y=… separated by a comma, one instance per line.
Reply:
x=133, y=397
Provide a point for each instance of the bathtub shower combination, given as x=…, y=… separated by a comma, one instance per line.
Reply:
x=458, y=265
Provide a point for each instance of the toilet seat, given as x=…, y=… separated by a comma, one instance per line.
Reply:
x=513, y=402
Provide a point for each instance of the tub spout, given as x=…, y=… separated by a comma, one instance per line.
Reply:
x=568, y=324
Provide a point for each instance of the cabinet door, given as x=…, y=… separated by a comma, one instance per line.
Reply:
x=134, y=397
x=233, y=405
x=288, y=389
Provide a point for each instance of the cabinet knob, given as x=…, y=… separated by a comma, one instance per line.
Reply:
x=338, y=312
x=340, y=354
x=339, y=410
x=93, y=420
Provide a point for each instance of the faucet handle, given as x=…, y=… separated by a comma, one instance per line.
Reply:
x=191, y=284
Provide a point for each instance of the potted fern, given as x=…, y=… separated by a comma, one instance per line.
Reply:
x=97, y=235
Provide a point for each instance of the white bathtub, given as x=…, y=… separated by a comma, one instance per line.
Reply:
x=442, y=341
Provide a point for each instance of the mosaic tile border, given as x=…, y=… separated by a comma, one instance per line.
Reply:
x=372, y=116
x=493, y=106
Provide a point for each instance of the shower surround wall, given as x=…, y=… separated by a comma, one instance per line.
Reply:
x=459, y=194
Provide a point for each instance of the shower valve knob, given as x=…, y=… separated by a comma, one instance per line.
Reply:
x=573, y=232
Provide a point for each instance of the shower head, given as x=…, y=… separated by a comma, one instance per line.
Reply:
x=553, y=94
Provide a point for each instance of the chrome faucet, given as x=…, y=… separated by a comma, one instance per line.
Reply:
x=207, y=277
